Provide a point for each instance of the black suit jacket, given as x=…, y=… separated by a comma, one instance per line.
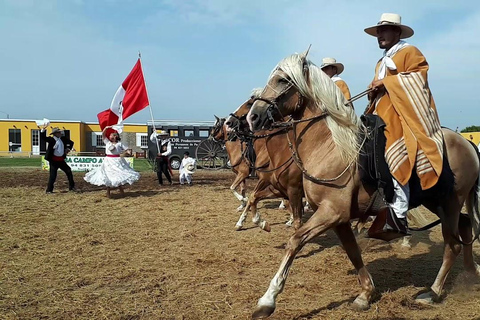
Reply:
x=67, y=143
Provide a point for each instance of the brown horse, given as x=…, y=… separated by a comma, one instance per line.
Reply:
x=325, y=145
x=235, y=149
x=277, y=173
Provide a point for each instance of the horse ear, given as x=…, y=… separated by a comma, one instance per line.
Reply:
x=305, y=61
x=216, y=117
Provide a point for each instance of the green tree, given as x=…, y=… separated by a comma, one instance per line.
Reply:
x=471, y=129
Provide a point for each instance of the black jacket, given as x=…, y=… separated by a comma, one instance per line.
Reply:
x=67, y=144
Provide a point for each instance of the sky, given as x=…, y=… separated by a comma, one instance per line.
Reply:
x=65, y=59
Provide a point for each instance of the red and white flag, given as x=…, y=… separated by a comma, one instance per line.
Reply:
x=130, y=98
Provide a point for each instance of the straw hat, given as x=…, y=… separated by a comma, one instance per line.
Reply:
x=391, y=19
x=332, y=62
x=56, y=130
x=162, y=133
x=190, y=168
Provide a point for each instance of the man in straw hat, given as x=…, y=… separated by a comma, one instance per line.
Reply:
x=58, y=147
x=401, y=98
x=333, y=68
x=160, y=139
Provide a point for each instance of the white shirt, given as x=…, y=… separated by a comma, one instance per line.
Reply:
x=154, y=139
x=58, y=148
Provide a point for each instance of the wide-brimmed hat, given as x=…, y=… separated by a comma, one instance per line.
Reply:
x=56, y=130
x=190, y=168
x=162, y=133
x=332, y=62
x=391, y=19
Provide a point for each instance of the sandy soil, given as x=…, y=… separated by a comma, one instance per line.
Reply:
x=171, y=252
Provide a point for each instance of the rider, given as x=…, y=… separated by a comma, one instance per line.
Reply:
x=401, y=98
x=333, y=68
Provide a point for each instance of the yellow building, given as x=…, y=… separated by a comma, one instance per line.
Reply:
x=23, y=137
x=472, y=136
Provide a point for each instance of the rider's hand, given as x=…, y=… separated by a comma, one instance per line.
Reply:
x=376, y=85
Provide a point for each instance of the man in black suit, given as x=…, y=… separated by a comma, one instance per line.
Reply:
x=57, y=149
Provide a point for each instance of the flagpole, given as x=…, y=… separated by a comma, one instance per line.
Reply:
x=150, y=107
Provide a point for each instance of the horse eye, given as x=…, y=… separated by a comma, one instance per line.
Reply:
x=283, y=81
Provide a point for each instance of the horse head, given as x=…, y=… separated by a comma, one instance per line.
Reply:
x=217, y=133
x=282, y=96
x=237, y=121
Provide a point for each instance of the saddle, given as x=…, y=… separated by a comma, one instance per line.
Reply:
x=375, y=173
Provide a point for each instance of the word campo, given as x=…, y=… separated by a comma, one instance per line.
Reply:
x=83, y=160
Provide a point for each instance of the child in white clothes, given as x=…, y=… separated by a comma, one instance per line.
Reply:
x=187, y=167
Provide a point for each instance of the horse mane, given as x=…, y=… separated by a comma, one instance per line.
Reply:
x=256, y=92
x=342, y=121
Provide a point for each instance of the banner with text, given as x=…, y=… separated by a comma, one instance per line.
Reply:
x=83, y=163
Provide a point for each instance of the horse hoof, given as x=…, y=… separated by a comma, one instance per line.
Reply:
x=262, y=312
x=360, y=304
x=240, y=208
x=266, y=227
x=429, y=297
x=238, y=227
x=289, y=223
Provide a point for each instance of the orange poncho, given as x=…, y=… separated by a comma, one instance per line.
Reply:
x=413, y=132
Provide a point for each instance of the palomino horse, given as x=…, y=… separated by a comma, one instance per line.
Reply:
x=277, y=173
x=325, y=145
x=238, y=163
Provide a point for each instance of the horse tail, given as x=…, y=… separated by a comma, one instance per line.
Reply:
x=473, y=200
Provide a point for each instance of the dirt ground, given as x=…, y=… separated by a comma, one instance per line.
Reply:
x=171, y=252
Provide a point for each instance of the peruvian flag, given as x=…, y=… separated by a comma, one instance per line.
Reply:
x=130, y=98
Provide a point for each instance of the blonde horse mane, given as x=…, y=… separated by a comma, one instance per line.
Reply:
x=256, y=92
x=324, y=93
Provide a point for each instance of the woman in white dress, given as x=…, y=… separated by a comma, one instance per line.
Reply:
x=114, y=171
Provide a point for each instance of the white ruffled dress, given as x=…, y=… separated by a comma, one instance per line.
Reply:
x=114, y=170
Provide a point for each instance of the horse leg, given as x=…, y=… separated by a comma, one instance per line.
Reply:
x=320, y=222
x=261, y=185
x=296, y=208
x=243, y=190
x=345, y=234
x=282, y=205
x=238, y=179
x=257, y=218
x=242, y=218
x=451, y=250
x=465, y=229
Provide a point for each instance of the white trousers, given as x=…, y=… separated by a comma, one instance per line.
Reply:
x=401, y=196
x=185, y=177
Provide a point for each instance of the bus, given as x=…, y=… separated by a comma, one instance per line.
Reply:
x=188, y=136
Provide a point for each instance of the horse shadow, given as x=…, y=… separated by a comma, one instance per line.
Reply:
x=395, y=272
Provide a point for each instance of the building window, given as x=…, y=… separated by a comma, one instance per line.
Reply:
x=189, y=133
x=97, y=140
x=173, y=133
x=142, y=140
x=15, y=140
x=204, y=133
x=35, y=137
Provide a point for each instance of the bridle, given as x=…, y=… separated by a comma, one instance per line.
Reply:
x=273, y=106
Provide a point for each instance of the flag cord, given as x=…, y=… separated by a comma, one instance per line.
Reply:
x=150, y=107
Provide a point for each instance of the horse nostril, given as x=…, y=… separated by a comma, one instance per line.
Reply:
x=253, y=117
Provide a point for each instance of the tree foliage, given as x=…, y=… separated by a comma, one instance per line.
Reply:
x=471, y=129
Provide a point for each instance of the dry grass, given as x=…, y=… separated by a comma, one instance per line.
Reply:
x=172, y=253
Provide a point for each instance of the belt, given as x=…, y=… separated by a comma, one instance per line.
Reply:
x=113, y=155
x=57, y=158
